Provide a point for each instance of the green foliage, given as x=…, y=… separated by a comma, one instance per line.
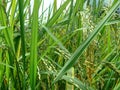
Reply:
x=74, y=47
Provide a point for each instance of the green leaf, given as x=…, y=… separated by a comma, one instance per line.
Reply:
x=33, y=49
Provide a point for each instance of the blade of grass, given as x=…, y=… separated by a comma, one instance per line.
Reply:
x=81, y=48
x=1, y=63
x=1, y=68
x=33, y=49
x=54, y=6
x=22, y=32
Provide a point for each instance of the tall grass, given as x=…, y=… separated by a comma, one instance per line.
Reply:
x=75, y=46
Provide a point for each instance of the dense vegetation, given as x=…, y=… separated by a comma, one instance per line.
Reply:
x=73, y=47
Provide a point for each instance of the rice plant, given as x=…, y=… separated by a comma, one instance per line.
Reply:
x=73, y=45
